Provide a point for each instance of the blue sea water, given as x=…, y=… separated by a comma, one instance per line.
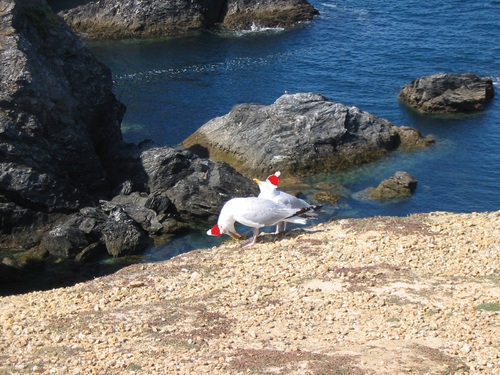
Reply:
x=356, y=52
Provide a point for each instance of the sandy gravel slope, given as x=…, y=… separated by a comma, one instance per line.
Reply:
x=384, y=295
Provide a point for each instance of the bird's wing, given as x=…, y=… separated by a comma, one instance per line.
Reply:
x=262, y=213
x=290, y=200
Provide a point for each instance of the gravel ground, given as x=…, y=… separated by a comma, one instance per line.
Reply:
x=383, y=295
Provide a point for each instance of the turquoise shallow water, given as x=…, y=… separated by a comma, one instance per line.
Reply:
x=359, y=53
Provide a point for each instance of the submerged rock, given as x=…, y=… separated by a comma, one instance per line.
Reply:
x=401, y=185
x=302, y=134
x=448, y=93
x=327, y=196
x=112, y=19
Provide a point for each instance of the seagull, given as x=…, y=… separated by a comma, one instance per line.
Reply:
x=269, y=190
x=255, y=213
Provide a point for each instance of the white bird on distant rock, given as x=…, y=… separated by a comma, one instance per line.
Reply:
x=269, y=190
x=255, y=213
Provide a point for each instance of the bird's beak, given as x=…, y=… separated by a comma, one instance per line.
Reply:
x=257, y=181
x=234, y=236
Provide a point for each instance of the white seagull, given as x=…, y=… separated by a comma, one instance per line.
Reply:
x=255, y=213
x=269, y=190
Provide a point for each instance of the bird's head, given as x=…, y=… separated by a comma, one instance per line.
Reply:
x=270, y=184
x=218, y=230
x=215, y=231
x=274, y=179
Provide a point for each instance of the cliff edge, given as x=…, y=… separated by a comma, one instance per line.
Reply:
x=382, y=295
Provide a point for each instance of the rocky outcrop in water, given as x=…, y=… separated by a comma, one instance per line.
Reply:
x=69, y=186
x=111, y=19
x=301, y=134
x=401, y=185
x=243, y=14
x=448, y=93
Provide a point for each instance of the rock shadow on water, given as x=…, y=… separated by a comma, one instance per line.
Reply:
x=52, y=273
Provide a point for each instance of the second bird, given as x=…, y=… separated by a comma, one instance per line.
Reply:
x=269, y=190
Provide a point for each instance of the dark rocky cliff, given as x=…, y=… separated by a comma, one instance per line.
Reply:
x=58, y=117
x=69, y=185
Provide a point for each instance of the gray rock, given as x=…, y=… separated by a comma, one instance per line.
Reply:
x=123, y=236
x=64, y=241
x=302, y=134
x=401, y=185
x=165, y=166
x=412, y=139
x=448, y=93
x=243, y=14
x=196, y=186
x=159, y=203
x=89, y=220
x=134, y=205
x=180, y=187
x=76, y=235
x=112, y=19
x=187, y=189
x=91, y=252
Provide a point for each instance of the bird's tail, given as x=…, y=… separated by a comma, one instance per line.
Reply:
x=296, y=220
x=312, y=211
x=300, y=216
